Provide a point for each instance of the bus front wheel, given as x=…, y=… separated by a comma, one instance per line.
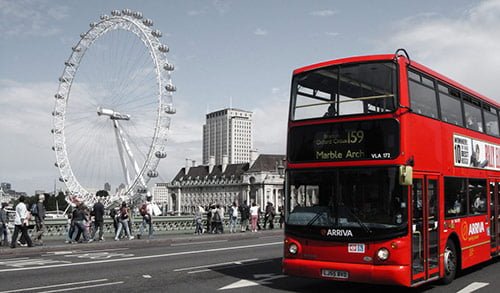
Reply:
x=450, y=262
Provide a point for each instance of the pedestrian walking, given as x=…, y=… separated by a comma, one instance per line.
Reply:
x=233, y=217
x=146, y=211
x=245, y=216
x=21, y=222
x=282, y=216
x=38, y=212
x=123, y=222
x=4, y=220
x=198, y=220
x=79, y=218
x=269, y=215
x=98, y=214
x=254, y=214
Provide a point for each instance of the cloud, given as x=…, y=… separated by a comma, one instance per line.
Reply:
x=30, y=18
x=260, y=32
x=323, y=13
x=26, y=139
x=270, y=123
x=463, y=48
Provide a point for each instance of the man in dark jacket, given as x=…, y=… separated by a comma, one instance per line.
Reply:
x=245, y=215
x=98, y=212
x=39, y=214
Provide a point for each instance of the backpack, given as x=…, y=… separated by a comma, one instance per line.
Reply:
x=216, y=217
x=143, y=210
x=34, y=209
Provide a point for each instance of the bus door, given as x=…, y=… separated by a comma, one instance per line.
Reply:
x=424, y=227
x=495, y=216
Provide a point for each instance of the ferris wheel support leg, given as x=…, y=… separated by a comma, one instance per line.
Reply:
x=124, y=144
x=119, y=142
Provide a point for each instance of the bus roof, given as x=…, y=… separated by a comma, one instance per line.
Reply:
x=413, y=64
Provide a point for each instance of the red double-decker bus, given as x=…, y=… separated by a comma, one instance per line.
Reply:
x=392, y=173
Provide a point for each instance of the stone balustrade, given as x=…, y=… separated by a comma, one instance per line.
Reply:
x=163, y=224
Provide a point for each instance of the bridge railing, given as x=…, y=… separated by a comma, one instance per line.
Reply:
x=161, y=225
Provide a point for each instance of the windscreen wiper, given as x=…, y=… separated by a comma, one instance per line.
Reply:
x=359, y=221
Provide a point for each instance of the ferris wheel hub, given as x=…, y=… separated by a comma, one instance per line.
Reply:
x=113, y=115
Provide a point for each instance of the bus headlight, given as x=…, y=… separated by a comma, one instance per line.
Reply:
x=383, y=254
x=292, y=248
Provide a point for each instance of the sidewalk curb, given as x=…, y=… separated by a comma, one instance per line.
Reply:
x=163, y=239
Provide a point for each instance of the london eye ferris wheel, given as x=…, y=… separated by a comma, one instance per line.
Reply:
x=113, y=108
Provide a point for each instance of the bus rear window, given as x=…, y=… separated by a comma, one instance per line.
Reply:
x=352, y=89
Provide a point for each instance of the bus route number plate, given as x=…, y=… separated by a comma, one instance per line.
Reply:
x=334, y=274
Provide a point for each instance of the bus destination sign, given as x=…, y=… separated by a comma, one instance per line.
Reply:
x=345, y=141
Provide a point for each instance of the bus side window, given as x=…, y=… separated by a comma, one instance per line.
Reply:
x=477, y=196
x=455, y=197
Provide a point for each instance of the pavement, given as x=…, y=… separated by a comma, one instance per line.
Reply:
x=169, y=238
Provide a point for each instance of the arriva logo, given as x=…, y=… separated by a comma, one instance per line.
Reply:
x=476, y=228
x=469, y=231
x=339, y=232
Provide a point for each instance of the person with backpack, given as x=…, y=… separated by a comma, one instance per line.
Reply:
x=98, y=213
x=38, y=212
x=146, y=211
x=245, y=216
x=123, y=222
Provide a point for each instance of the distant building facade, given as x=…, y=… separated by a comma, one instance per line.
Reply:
x=259, y=181
x=227, y=132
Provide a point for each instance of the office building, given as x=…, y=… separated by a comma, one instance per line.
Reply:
x=227, y=132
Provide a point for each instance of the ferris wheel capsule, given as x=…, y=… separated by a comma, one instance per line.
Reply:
x=58, y=96
x=170, y=87
x=137, y=15
x=161, y=155
x=163, y=48
x=147, y=22
x=156, y=33
x=104, y=17
x=116, y=13
x=127, y=12
x=152, y=173
x=83, y=35
x=93, y=24
x=63, y=179
x=76, y=49
x=142, y=189
x=168, y=66
x=169, y=109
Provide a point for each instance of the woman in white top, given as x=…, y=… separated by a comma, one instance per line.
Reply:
x=254, y=214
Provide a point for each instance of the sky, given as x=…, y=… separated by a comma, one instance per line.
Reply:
x=227, y=53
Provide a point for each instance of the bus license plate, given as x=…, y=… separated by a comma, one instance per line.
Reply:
x=335, y=274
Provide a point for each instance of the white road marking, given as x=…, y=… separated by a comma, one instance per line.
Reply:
x=100, y=255
x=146, y=276
x=240, y=284
x=264, y=279
x=83, y=287
x=25, y=262
x=473, y=287
x=144, y=257
x=54, y=286
x=239, y=262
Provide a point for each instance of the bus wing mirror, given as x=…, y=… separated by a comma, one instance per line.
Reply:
x=405, y=175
